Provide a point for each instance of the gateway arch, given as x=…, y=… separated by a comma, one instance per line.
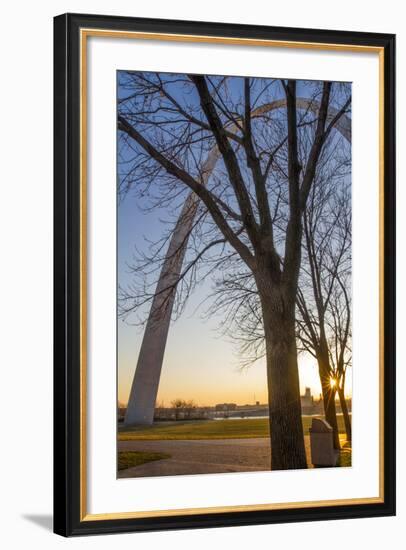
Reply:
x=144, y=389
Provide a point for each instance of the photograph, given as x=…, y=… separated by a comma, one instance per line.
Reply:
x=224, y=258
x=201, y=316
x=234, y=274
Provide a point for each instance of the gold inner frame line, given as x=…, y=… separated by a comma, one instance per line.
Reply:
x=84, y=34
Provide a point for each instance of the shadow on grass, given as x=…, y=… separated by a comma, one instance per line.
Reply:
x=129, y=459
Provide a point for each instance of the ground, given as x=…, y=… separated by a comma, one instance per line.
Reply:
x=209, y=429
x=206, y=447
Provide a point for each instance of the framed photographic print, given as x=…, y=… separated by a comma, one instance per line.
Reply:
x=224, y=274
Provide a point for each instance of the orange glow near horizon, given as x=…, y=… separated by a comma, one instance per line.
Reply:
x=208, y=384
x=203, y=365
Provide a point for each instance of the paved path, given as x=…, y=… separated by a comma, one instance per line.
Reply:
x=203, y=456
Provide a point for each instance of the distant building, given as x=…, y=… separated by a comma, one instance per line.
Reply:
x=307, y=398
x=307, y=401
x=226, y=407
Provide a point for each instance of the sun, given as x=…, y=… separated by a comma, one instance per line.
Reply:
x=333, y=382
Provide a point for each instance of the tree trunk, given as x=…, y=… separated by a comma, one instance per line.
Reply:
x=285, y=415
x=344, y=408
x=329, y=400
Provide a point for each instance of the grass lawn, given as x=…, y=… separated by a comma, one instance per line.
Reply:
x=345, y=458
x=127, y=459
x=208, y=429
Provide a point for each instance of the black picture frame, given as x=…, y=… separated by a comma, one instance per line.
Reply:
x=68, y=520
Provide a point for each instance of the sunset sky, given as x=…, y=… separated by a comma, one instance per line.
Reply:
x=199, y=363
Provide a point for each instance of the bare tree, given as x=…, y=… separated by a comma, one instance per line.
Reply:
x=190, y=406
x=179, y=405
x=323, y=299
x=324, y=286
x=340, y=358
x=171, y=122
